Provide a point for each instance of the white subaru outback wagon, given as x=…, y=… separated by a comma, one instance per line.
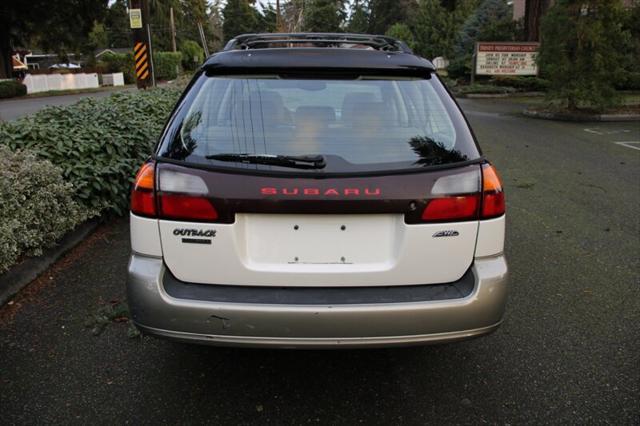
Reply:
x=317, y=190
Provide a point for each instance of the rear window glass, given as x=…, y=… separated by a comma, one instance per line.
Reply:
x=367, y=124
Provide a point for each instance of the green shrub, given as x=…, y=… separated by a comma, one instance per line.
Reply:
x=36, y=206
x=629, y=81
x=192, y=55
x=166, y=65
x=98, y=143
x=525, y=84
x=119, y=62
x=485, y=89
x=11, y=89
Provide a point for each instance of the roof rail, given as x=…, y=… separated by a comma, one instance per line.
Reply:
x=266, y=40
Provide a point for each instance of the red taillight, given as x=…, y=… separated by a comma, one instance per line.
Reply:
x=452, y=203
x=460, y=207
x=143, y=193
x=493, y=204
x=146, y=200
x=187, y=207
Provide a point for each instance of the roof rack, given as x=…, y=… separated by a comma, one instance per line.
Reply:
x=344, y=40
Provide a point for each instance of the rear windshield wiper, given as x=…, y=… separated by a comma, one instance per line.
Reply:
x=293, y=161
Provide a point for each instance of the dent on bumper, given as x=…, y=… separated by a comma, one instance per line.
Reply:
x=389, y=324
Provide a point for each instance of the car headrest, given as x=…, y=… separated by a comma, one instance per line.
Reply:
x=370, y=115
x=318, y=115
x=350, y=101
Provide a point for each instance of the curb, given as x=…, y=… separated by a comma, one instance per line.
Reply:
x=20, y=275
x=567, y=116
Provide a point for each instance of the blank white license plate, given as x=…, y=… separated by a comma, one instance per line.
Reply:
x=322, y=239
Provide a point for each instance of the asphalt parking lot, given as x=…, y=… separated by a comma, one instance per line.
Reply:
x=568, y=351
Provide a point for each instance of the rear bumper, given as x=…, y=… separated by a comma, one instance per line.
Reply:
x=316, y=325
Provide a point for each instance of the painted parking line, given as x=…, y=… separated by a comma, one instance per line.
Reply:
x=600, y=131
x=629, y=144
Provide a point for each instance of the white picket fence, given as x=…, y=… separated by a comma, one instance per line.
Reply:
x=46, y=82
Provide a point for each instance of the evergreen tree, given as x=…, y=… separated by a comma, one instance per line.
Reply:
x=117, y=25
x=239, y=17
x=267, y=19
x=434, y=29
x=580, y=52
x=324, y=15
x=402, y=32
x=488, y=13
x=215, y=23
x=385, y=13
x=359, y=17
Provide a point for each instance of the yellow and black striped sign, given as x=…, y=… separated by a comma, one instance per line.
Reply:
x=141, y=57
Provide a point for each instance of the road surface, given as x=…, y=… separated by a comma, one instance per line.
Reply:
x=11, y=109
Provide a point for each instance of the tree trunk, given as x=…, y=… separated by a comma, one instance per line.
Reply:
x=533, y=11
x=6, y=65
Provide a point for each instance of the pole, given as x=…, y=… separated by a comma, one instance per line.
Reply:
x=474, y=60
x=173, y=30
x=153, y=73
x=278, y=20
x=138, y=19
x=203, y=39
x=172, y=25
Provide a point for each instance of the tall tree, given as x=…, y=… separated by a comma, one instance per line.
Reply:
x=267, y=20
x=215, y=23
x=37, y=23
x=385, y=13
x=533, y=12
x=117, y=24
x=580, y=52
x=324, y=15
x=489, y=12
x=359, y=17
x=434, y=29
x=293, y=15
x=402, y=32
x=239, y=17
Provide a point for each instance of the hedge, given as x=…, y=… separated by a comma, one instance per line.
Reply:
x=97, y=143
x=119, y=62
x=37, y=206
x=192, y=55
x=11, y=89
x=166, y=65
x=527, y=84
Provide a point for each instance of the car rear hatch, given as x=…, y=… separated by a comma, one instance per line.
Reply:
x=304, y=232
x=381, y=184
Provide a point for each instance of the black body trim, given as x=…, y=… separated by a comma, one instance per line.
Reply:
x=318, y=295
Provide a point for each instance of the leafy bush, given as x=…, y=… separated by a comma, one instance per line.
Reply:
x=525, y=84
x=98, y=143
x=629, y=81
x=11, y=89
x=192, y=55
x=36, y=206
x=166, y=65
x=119, y=62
